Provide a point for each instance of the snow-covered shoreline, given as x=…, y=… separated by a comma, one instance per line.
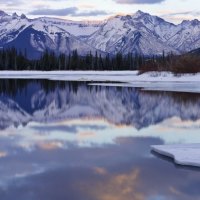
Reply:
x=183, y=154
x=154, y=81
x=101, y=76
x=119, y=76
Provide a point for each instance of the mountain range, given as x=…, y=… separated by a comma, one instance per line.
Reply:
x=139, y=33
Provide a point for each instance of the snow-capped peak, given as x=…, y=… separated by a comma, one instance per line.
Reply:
x=147, y=18
x=139, y=13
x=15, y=15
x=194, y=22
x=23, y=16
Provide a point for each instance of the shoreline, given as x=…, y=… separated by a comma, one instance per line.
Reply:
x=102, y=76
x=151, y=81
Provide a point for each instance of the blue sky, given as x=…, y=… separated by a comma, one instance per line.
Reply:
x=171, y=10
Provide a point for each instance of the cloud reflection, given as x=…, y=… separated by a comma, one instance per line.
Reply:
x=117, y=187
x=119, y=172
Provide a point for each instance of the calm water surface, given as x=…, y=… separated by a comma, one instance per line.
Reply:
x=71, y=141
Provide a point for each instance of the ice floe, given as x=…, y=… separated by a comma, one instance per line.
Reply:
x=183, y=154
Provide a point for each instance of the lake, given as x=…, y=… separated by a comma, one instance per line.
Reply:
x=71, y=140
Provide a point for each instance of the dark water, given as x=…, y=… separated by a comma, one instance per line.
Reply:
x=71, y=141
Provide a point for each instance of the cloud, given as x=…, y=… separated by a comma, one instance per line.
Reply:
x=73, y=11
x=178, y=17
x=58, y=12
x=10, y=2
x=139, y=1
x=195, y=14
x=91, y=13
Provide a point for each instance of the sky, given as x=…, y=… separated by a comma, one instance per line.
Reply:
x=171, y=10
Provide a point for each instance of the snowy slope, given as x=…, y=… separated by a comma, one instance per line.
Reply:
x=36, y=42
x=73, y=27
x=40, y=34
x=146, y=34
x=140, y=33
x=13, y=25
x=187, y=36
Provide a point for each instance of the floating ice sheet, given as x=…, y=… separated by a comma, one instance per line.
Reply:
x=183, y=154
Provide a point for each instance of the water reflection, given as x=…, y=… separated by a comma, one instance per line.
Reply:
x=122, y=171
x=63, y=141
x=22, y=101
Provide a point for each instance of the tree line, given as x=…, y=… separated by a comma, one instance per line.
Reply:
x=11, y=59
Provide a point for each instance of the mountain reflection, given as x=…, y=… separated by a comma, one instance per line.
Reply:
x=24, y=101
